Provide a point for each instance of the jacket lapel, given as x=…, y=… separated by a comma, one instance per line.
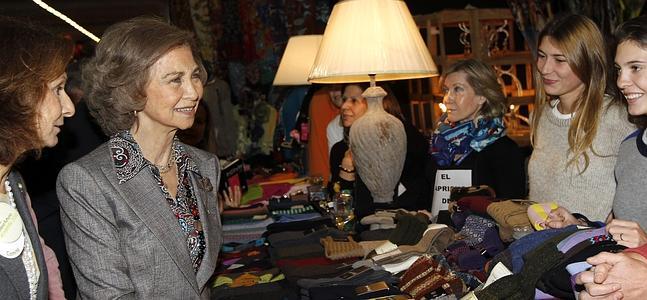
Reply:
x=205, y=191
x=20, y=198
x=145, y=198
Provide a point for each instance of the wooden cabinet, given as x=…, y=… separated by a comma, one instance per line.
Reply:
x=489, y=35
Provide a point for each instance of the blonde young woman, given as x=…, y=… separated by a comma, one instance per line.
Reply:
x=577, y=128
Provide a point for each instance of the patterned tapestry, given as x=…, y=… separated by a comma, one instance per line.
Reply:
x=241, y=41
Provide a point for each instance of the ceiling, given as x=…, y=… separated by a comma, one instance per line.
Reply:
x=97, y=15
x=93, y=15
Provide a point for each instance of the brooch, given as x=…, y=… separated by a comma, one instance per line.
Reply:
x=205, y=184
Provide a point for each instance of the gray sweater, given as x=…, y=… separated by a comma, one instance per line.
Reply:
x=631, y=174
x=590, y=193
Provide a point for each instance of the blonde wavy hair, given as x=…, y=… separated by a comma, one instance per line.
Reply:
x=482, y=78
x=581, y=42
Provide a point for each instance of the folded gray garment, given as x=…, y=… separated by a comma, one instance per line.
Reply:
x=295, y=273
x=270, y=290
x=304, y=250
x=364, y=278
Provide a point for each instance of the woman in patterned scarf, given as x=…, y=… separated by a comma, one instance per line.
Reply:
x=471, y=135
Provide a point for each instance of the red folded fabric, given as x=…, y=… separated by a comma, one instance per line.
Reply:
x=477, y=204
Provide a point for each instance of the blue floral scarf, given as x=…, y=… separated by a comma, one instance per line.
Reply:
x=452, y=142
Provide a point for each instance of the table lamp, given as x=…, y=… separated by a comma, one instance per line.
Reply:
x=374, y=40
x=297, y=60
x=294, y=68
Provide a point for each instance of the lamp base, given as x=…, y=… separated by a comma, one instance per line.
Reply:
x=379, y=145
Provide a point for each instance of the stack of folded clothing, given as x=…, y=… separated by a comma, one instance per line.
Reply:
x=264, y=284
x=245, y=224
x=301, y=254
x=286, y=211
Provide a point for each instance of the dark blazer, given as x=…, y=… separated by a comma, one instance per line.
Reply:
x=124, y=241
x=500, y=165
x=13, y=278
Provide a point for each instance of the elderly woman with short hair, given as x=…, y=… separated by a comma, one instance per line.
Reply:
x=139, y=213
x=471, y=135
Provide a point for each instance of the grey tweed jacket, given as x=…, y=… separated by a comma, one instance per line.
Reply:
x=123, y=240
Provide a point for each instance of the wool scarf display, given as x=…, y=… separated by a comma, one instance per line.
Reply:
x=452, y=142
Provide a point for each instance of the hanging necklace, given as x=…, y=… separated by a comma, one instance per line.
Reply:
x=12, y=238
x=7, y=188
x=171, y=160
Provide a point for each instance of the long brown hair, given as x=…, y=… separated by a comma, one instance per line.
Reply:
x=31, y=57
x=581, y=42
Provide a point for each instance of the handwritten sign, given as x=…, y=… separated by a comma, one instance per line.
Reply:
x=445, y=180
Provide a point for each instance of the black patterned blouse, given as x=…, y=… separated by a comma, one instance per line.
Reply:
x=129, y=161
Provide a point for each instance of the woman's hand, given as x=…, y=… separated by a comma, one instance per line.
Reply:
x=347, y=169
x=609, y=279
x=627, y=233
x=560, y=217
x=230, y=198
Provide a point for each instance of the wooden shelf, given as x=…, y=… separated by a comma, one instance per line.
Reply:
x=514, y=66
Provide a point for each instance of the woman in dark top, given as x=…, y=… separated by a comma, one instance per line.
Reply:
x=471, y=134
x=413, y=189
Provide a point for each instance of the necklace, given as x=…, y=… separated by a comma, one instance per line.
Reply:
x=15, y=240
x=169, y=163
x=7, y=188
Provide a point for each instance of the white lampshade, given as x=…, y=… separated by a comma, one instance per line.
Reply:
x=297, y=60
x=371, y=37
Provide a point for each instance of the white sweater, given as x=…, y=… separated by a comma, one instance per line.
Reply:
x=590, y=193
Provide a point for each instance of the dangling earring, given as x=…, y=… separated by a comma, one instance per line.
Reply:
x=135, y=113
